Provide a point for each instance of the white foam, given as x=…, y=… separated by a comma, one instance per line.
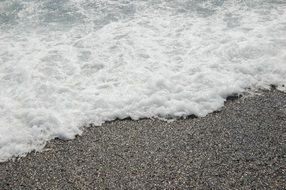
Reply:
x=101, y=61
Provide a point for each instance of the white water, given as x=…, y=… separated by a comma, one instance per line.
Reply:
x=64, y=64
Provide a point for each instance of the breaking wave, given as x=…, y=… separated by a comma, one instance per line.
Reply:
x=64, y=64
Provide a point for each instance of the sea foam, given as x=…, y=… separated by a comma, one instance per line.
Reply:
x=65, y=64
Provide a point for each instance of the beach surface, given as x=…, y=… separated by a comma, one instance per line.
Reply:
x=242, y=146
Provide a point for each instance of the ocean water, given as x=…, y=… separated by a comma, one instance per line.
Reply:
x=65, y=64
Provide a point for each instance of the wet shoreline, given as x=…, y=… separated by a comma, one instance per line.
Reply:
x=241, y=146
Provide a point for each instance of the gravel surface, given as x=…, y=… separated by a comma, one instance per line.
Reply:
x=243, y=146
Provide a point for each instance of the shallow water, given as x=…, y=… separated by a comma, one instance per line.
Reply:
x=67, y=63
